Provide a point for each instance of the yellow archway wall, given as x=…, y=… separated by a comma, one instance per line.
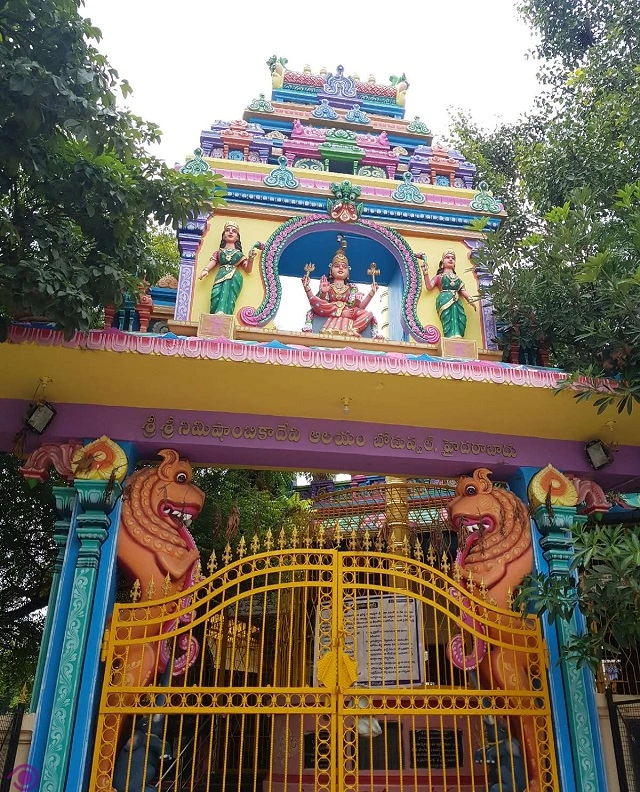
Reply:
x=254, y=229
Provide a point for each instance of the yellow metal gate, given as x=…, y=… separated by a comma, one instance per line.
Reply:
x=318, y=666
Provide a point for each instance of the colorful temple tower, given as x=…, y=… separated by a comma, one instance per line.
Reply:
x=372, y=646
x=346, y=163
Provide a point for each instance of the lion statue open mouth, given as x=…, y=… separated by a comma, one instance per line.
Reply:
x=494, y=547
x=156, y=548
x=494, y=535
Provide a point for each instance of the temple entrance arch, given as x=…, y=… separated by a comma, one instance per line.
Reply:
x=312, y=239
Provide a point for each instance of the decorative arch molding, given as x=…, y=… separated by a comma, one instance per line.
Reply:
x=297, y=227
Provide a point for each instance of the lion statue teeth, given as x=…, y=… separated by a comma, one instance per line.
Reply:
x=155, y=547
x=494, y=535
x=160, y=504
x=494, y=548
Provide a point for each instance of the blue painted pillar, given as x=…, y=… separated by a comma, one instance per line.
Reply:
x=52, y=662
x=83, y=738
x=97, y=500
x=519, y=485
x=65, y=499
x=584, y=725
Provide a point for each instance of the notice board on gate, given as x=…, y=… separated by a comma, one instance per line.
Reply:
x=390, y=646
x=389, y=643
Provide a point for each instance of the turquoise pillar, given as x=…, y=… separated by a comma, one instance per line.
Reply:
x=65, y=498
x=584, y=726
x=519, y=485
x=83, y=738
x=96, y=500
x=51, y=664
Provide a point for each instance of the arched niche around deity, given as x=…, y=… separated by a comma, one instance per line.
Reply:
x=314, y=240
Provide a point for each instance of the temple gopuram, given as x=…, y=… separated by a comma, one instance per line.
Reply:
x=372, y=645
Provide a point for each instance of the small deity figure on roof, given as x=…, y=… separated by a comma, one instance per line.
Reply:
x=448, y=305
x=338, y=300
x=230, y=261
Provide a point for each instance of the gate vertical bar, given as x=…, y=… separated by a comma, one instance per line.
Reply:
x=337, y=778
x=618, y=750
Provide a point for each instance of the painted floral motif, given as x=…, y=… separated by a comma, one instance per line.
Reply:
x=281, y=176
x=418, y=127
x=324, y=110
x=261, y=105
x=484, y=201
x=196, y=166
x=339, y=85
x=407, y=192
x=356, y=115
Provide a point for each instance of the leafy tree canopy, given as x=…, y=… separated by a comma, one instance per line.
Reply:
x=263, y=500
x=77, y=185
x=27, y=553
x=565, y=264
x=163, y=255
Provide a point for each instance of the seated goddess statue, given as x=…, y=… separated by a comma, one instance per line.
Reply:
x=339, y=301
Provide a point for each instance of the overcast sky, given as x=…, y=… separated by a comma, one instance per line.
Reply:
x=190, y=63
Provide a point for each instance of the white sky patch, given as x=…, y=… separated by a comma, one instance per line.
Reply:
x=192, y=63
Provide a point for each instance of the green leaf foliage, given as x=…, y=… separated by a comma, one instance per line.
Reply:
x=27, y=554
x=162, y=255
x=78, y=187
x=263, y=499
x=566, y=263
x=607, y=565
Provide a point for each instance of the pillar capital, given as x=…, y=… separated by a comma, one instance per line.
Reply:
x=97, y=498
x=555, y=528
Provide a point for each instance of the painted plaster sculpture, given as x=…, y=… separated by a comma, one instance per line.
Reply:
x=230, y=261
x=338, y=299
x=450, y=309
x=591, y=496
x=343, y=207
x=154, y=545
x=550, y=487
x=49, y=455
x=100, y=460
x=494, y=541
x=155, y=548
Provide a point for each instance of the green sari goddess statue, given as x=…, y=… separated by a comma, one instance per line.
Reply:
x=230, y=261
x=448, y=305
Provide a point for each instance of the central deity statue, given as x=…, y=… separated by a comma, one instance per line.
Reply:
x=338, y=300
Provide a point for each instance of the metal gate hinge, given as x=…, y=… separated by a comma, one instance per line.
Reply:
x=104, y=644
